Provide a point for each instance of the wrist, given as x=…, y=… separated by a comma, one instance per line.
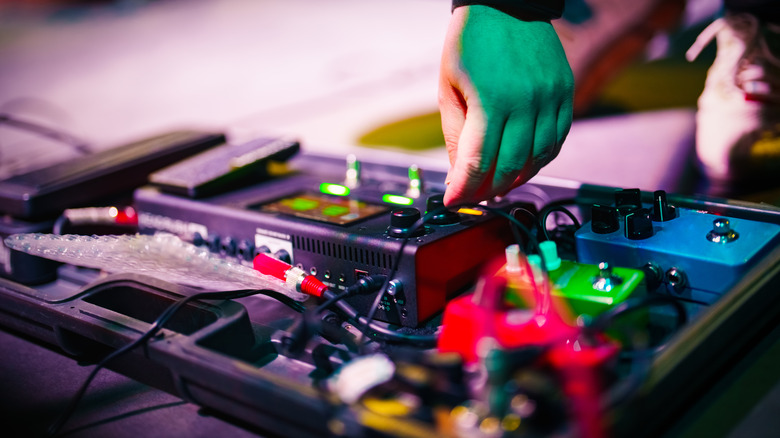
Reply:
x=527, y=10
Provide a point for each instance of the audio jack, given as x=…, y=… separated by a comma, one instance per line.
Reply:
x=295, y=278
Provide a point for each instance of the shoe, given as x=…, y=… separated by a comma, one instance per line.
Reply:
x=600, y=37
x=738, y=118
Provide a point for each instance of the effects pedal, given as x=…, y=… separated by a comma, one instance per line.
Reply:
x=578, y=289
x=688, y=253
x=224, y=167
x=45, y=193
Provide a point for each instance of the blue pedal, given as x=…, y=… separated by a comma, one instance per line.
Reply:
x=694, y=255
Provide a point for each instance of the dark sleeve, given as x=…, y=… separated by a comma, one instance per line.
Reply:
x=765, y=10
x=539, y=9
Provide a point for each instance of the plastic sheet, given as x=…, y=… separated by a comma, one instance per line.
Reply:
x=163, y=256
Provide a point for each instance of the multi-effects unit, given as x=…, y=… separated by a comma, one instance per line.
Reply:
x=340, y=223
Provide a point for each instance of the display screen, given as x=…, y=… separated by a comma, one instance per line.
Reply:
x=319, y=207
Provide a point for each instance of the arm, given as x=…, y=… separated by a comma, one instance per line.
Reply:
x=505, y=96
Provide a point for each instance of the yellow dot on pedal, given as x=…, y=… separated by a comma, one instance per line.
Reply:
x=471, y=211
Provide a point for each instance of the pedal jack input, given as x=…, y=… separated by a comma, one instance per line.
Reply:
x=677, y=279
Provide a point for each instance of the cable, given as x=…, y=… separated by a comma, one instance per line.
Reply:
x=528, y=213
x=310, y=323
x=371, y=328
x=76, y=143
x=603, y=321
x=125, y=217
x=155, y=327
x=331, y=299
x=546, y=214
x=641, y=360
x=543, y=298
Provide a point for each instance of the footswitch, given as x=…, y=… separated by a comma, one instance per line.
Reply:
x=576, y=289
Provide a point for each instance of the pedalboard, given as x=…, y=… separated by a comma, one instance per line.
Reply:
x=340, y=223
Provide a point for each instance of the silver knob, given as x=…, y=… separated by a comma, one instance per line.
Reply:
x=721, y=231
x=606, y=280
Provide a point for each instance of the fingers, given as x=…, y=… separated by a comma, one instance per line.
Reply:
x=515, y=152
x=492, y=158
x=564, y=124
x=452, y=107
x=477, y=150
x=530, y=141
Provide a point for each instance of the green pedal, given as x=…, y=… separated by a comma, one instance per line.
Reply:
x=583, y=289
x=590, y=289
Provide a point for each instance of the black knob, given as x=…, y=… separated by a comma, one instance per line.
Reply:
x=228, y=246
x=283, y=255
x=662, y=211
x=604, y=219
x=246, y=250
x=214, y=242
x=628, y=200
x=639, y=224
x=439, y=214
x=402, y=220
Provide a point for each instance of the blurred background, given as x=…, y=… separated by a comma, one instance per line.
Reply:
x=341, y=75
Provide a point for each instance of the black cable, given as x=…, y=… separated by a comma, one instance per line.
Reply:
x=641, y=360
x=375, y=330
x=331, y=299
x=544, y=302
x=76, y=143
x=363, y=327
x=603, y=321
x=310, y=323
x=546, y=214
x=542, y=296
x=528, y=213
x=156, y=326
x=365, y=285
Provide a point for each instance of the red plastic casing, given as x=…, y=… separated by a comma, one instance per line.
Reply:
x=271, y=266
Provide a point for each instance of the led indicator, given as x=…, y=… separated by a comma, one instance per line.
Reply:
x=334, y=189
x=470, y=211
x=397, y=199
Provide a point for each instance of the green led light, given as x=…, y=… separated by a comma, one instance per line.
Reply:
x=334, y=189
x=397, y=199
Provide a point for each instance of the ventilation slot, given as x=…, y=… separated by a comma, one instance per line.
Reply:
x=342, y=252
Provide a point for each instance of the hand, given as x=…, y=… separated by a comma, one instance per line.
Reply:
x=505, y=96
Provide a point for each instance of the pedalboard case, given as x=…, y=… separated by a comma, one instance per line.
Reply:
x=231, y=356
